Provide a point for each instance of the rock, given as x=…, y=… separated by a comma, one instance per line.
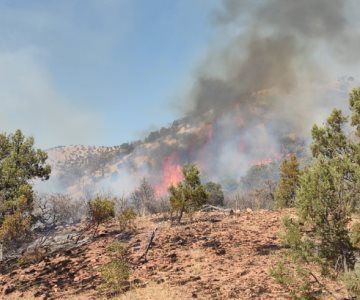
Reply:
x=212, y=244
x=173, y=257
x=38, y=293
x=138, y=283
x=221, y=251
x=160, y=280
x=9, y=289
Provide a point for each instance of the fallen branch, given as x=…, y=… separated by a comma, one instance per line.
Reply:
x=152, y=236
x=208, y=207
x=322, y=285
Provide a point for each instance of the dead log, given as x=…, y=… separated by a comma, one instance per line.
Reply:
x=208, y=207
x=150, y=241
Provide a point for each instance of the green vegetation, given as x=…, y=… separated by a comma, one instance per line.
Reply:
x=101, y=210
x=257, y=176
x=144, y=199
x=297, y=280
x=215, y=192
x=116, y=248
x=116, y=273
x=327, y=195
x=289, y=181
x=189, y=194
x=19, y=164
x=15, y=228
x=126, y=219
x=33, y=256
x=351, y=280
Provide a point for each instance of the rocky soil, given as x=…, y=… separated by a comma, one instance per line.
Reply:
x=217, y=256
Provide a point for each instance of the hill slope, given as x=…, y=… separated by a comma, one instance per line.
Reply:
x=218, y=256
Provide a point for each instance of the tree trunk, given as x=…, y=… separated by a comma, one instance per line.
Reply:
x=181, y=214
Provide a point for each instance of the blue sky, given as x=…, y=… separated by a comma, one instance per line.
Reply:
x=98, y=72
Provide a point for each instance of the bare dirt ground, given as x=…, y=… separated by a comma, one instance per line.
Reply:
x=217, y=256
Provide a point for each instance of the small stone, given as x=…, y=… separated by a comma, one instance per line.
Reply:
x=160, y=280
x=38, y=293
x=9, y=289
x=42, y=264
x=221, y=251
x=173, y=257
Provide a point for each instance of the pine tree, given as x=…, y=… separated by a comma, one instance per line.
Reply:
x=19, y=164
x=289, y=181
x=189, y=194
x=328, y=192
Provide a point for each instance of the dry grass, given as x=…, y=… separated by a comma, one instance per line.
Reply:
x=30, y=296
x=153, y=292
x=17, y=295
x=198, y=260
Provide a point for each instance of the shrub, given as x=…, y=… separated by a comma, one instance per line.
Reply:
x=117, y=248
x=34, y=256
x=15, y=228
x=115, y=275
x=126, y=219
x=101, y=210
x=351, y=281
x=54, y=209
x=261, y=198
x=144, y=199
x=215, y=192
x=323, y=206
x=355, y=234
x=297, y=280
x=258, y=175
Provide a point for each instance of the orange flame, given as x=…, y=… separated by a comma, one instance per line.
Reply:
x=267, y=161
x=263, y=162
x=172, y=174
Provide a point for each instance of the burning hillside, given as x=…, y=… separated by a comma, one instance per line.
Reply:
x=221, y=147
x=171, y=174
x=224, y=146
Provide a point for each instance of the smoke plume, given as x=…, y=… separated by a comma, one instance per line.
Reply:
x=283, y=65
x=276, y=61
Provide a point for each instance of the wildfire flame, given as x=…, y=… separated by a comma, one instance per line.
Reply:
x=267, y=161
x=263, y=162
x=172, y=174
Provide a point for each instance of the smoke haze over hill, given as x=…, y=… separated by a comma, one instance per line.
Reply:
x=278, y=73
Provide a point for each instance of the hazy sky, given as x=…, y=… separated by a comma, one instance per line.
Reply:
x=97, y=72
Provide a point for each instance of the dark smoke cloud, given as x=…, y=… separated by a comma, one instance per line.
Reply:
x=278, y=46
x=275, y=75
x=270, y=81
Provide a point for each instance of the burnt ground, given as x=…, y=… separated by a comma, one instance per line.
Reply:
x=217, y=256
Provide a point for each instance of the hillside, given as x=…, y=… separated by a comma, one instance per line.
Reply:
x=78, y=169
x=217, y=256
x=224, y=143
x=82, y=170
